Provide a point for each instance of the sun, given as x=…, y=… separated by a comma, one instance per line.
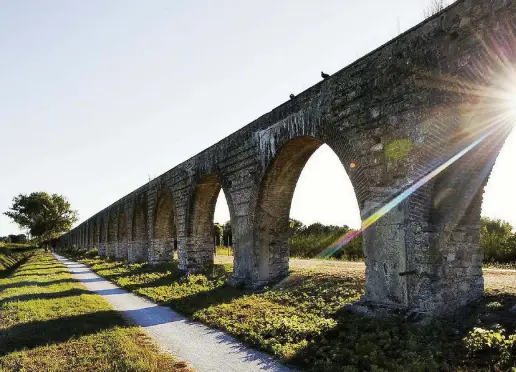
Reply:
x=511, y=102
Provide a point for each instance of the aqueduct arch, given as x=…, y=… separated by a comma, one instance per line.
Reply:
x=112, y=242
x=200, y=249
x=164, y=233
x=417, y=125
x=272, y=211
x=102, y=237
x=95, y=240
x=140, y=238
x=122, y=250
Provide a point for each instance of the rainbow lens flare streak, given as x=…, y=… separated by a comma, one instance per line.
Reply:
x=398, y=199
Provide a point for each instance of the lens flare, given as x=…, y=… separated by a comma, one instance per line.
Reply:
x=398, y=199
x=487, y=108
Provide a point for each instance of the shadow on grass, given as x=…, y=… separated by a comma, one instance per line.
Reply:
x=41, y=333
x=171, y=274
x=22, y=275
x=364, y=343
x=45, y=296
x=203, y=300
x=164, y=280
x=35, y=283
x=8, y=271
x=39, y=268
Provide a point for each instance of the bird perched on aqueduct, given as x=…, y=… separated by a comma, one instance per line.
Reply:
x=324, y=76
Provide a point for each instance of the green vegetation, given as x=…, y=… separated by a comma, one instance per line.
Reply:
x=12, y=255
x=303, y=321
x=498, y=241
x=45, y=216
x=18, y=246
x=221, y=250
x=398, y=148
x=310, y=241
x=49, y=322
x=16, y=239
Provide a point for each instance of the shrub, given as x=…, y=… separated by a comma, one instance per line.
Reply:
x=497, y=241
x=491, y=347
x=310, y=241
x=92, y=253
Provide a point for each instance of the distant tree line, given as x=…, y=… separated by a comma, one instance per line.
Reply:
x=497, y=240
x=15, y=239
x=222, y=234
x=310, y=241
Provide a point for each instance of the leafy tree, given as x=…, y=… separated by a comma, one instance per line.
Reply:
x=296, y=226
x=217, y=233
x=45, y=216
x=227, y=234
x=497, y=240
x=17, y=239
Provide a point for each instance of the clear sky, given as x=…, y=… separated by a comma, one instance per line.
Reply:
x=96, y=96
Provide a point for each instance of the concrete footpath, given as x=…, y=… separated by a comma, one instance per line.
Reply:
x=205, y=349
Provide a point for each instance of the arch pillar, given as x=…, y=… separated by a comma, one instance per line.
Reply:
x=96, y=232
x=83, y=237
x=91, y=234
x=181, y=199
x=123, y=233
x=161, y=224
x=112, y=234
x=199, y=206
x=103, y=227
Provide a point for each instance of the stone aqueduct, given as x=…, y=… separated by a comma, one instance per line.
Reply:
x=434, y=95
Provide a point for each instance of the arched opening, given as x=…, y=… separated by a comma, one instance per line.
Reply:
x=275, y=197
x=164, y=234
x=102, y=238
x=140, y=244
x=223, y=231
x=123, y=238
x=91, y=235
x=111, y=237
x=201, y=228
x=95, y=240
x=87, y=235
x=498, y=223
x=499, y=198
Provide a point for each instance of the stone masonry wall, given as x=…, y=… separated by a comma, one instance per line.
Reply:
x=394, y=118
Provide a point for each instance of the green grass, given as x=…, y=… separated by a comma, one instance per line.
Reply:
x=11, y=258
x=50, y=322
x=221, y=250
x=16, y=245
x=302, y=320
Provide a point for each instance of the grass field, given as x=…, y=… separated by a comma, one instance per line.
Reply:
x=10, y=258
x=302, y=320
x=49, y=322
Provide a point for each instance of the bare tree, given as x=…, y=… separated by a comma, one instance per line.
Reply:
x=434, y=7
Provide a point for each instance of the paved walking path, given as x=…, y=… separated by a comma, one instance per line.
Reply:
x=203, y=348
